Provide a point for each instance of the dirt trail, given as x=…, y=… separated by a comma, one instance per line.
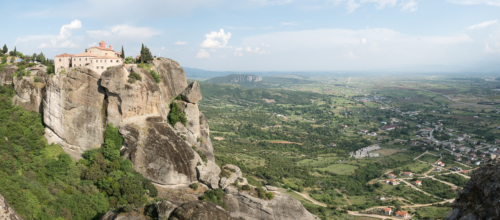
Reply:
x=345, y=197
x=373, y=215
x=306, y=196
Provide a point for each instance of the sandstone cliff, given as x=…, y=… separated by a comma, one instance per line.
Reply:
x=29, y=94
x=6, y=75
x=480, y=198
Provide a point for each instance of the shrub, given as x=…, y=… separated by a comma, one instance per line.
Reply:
x=194, y=186
x=246, y=187
x=36, y=79
x=176, y=115
x=261, y=192
x=132, y=77
x=215, y=196
x=269, y=196
x=156, y=76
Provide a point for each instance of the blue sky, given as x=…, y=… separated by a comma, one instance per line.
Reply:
x=270, y=35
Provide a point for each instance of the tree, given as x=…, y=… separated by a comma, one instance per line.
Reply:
x=123, y=53
x=5, y=49
x=142, y=53
x=15, y=51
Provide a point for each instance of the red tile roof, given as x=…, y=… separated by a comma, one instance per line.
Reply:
x=102, y=48
x=401, y=213
x=65, y=55
x=105, y=57
x=386, y=209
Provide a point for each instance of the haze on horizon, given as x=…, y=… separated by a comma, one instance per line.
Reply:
x=270, y=35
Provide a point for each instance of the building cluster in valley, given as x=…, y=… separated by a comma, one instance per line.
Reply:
x=365, y=152
x=96, y=58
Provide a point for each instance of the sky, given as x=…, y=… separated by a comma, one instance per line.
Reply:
x=407, y=36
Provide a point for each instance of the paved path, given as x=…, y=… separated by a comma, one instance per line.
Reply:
x=306, y=196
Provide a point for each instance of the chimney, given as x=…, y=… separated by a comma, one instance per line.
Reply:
x=110, y=47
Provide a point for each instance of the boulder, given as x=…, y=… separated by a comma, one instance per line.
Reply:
x=282, y=207
x=235, y=174
x=158, y=153
x=480, y=198
x=6, y=211
x=209, y=174
x=28, y=94
x=271, y=188
x=73, y=111
x=6, y=75
x=200, y=210
x=112, y=215
x=192, y=93
x=164, y=209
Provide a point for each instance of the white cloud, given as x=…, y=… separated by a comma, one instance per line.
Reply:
x=249, y=49
x=163, y=48
x=482, y=25
x=349, y=55
x=289, y=24
x=63, y=40
x=265, y=45
x=238, y=54
x=238, y=49
x=363, y=41
x=409, y=5
x=352, y=6
x=476, y=2
x=124, y=33
x=216, y=39
x=202, y=54
x=180, y=43
x=213, y=50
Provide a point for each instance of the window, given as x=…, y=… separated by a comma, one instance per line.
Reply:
x=117, y=61
x=85, y=59
x=102, y=67
x=80, y=59
x=111, y=61
x=59, y=60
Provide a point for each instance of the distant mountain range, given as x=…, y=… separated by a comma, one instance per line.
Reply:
x=254, y=81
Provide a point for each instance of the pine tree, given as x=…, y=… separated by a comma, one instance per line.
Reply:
x=123, y=53
x=142, y=54
x=15, y=52
x=5, y=49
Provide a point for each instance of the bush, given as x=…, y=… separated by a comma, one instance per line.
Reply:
x=215, y=196
x=246, y=187
x=176, y=115
x=269, y=196
x=156, y=76
x=36, y=79
x=194, y=186
x=132, y=77
x=261, y=192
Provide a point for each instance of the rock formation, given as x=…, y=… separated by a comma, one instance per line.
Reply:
x=480, y=198
x=236, y=175
x=173, y=81
x=209, y=174
x=7, y=212
x=164, y=209
x=6, y=75
x=242, y=205
x=73, y=111
x=200, y=210
x=28, y=94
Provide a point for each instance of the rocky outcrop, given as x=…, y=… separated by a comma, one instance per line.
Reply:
x=112, y=215
x=158, y=153
x=126, y=101
x=200, y=210
x=192, y=93
x=480, y=198
x=7, y=212
x=6, y=75
x=209, y=174
x=271, y=188
x=246, y=78
x=73, y=111
x=173, y=81
x=164, y=209
x=28, y=94
x=241, y=205
x=236, y=175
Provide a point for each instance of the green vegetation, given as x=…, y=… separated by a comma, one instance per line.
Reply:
x=132, y=77
x=176, y=114
x=453, y=178
x=216, y=196
x=156, y=76
x=437, y=188
x=194, y=186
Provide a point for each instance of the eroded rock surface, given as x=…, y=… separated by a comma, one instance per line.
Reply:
x=28, y=94
x=241, y=205
x=480, y=198
x=209, y=174
x=173, y=81
x=192, y=93
x=200, y=210
x=6, y=75
x=73, y=111
x=158, y=153
x=235, y=175
x=6, y=211
x=164, y=209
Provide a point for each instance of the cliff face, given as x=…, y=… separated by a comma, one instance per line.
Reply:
x=72, y=111
x=7, y=212
x=480, y=198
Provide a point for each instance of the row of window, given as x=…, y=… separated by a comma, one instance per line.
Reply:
x=80, y=59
